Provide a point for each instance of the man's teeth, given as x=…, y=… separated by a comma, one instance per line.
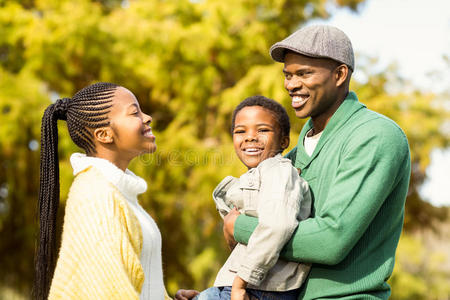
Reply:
x=300, y=98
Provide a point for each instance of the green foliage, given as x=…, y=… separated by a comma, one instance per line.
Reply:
x=189, y=63
x=419, y=273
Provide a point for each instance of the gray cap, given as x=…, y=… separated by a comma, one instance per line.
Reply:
x=317, y=41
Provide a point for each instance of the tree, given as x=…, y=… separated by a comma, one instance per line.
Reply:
x=189, y=63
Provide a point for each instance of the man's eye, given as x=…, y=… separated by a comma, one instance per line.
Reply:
x=305, y=73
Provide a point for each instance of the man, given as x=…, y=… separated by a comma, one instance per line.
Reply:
x=357, y=164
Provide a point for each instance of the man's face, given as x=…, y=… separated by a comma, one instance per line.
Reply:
x=311, y=83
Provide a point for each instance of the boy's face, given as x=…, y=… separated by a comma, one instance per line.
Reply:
x=257, y=135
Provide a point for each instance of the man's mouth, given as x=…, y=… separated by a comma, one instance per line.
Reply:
x=298, y=100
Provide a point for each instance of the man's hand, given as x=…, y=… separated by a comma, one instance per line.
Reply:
x=228, y=227
x=186, y=294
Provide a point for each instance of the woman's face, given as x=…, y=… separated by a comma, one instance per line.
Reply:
x=132, y=134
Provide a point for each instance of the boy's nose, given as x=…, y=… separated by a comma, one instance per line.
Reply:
x=250, y=137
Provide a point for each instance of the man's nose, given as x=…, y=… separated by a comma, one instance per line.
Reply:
x=292, y=84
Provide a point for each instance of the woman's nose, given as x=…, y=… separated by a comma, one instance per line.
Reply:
x=147, y=119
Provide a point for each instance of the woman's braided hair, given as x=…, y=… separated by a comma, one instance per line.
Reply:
x=87, y=110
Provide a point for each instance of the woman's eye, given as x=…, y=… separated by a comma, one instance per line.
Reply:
x=239, y=131
x=264, y=130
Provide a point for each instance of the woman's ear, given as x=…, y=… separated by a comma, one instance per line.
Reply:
x=285, y=142
x=104, y=135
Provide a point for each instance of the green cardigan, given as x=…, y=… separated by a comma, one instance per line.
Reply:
x=359, y=177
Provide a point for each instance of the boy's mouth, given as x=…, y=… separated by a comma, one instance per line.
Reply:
x=252, y=150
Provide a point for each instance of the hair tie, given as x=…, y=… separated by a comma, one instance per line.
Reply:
x=61, y=107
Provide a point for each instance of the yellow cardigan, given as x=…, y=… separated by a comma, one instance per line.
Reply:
x=101, y=244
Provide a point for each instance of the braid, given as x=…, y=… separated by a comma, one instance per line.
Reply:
x=86, y=110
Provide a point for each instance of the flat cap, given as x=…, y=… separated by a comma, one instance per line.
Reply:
x=321, y=41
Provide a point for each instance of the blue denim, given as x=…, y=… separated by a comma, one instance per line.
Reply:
x=224, y=293
x=215, y=293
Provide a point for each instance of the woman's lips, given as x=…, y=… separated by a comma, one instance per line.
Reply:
x=149, y=134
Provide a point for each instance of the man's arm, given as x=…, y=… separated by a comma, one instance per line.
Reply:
x=372, y=166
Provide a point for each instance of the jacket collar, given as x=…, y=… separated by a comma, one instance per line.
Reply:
x=349, y=106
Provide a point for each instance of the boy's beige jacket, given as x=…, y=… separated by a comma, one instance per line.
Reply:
x=280, y=198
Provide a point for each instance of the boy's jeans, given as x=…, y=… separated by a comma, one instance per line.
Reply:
x=224, y=293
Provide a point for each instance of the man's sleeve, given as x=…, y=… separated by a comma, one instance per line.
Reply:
x=371, y=166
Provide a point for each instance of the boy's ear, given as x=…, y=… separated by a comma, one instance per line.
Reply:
x=285, y=142
x=104, y=135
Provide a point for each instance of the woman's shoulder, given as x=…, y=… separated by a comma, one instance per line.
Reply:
x=92, y=188
x=90, y=179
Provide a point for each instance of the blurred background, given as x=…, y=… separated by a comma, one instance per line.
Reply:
x=190, y=62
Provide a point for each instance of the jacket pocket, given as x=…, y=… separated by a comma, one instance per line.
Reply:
x=250, y=185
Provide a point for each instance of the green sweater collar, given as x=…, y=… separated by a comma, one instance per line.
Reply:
x=349, y=106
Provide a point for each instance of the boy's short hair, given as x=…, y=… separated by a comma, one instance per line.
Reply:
x=280, y=113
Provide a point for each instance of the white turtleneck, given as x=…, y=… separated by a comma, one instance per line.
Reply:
x=130, y=186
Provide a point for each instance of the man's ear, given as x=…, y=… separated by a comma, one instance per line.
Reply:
x=341, y=73
x=285, y=142
x=104, y=135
